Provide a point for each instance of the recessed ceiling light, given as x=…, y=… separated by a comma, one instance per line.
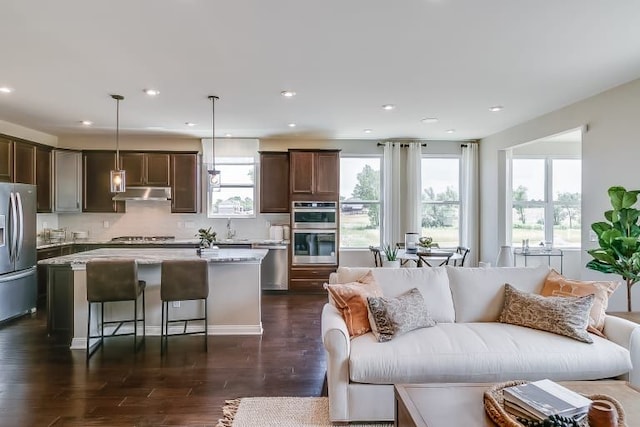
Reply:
x=291, y=125
x=368, y=130
x=152, y=92
x=86, y=122
x=5, y=89
x=450, y=130
x=496, y=108
x=388, y=107
x=228, y=135
x=288, y=93
x=190, y=124
x=429, y=120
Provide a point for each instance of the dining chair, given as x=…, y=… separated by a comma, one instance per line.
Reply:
x=464, y=251
x=377, y=256
x=437, y=259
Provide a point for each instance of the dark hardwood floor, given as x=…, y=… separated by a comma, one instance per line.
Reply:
x=43, y=383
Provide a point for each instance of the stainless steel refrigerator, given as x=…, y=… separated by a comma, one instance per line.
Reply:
x=18, y=280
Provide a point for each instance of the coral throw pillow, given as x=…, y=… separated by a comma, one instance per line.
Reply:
x=557, y=285
x=351, y=300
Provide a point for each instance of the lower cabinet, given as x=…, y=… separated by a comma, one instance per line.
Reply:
x=42, y=269
x=60, y=301
x=310, y=278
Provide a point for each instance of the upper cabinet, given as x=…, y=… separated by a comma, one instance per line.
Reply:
x=274, y=182
x=68, y=180
x=314, y=174
x=28, y=163
x=44, y=178
x=185, y=175
x=146, y=169
x=96, y=188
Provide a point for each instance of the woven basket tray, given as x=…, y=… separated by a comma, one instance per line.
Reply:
x=493, y=405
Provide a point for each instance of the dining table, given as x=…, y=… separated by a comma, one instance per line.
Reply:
x=428, y=258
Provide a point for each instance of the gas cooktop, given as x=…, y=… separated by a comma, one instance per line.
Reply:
x=142, y=238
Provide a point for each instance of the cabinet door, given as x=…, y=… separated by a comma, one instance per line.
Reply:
x=184, y=183
x=68, y=181
x=96, y=189
x=43, y=179
x=327, y=173
x=24, y=163
x=274, y=182
x=302, y=172
x=133, y=164
x=6, y=160
x=157, y=167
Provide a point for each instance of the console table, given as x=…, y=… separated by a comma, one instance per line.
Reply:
x=557, y=253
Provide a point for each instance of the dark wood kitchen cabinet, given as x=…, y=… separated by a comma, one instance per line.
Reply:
x=310, y=278
x=274, y=182
x=314, y=174
x=24, y=162
x=185, y=175
x=44, y=178
x=143, y=169
x=96, y=182
x=6, y=160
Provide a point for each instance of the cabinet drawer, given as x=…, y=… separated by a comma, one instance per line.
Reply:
x=307, y=285
x=320, y=273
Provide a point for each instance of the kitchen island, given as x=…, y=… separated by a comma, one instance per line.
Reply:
x=234, y=291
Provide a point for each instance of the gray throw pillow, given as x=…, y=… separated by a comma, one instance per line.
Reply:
x=390, y=317
x=568, y=316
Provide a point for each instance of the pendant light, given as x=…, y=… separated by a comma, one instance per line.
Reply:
x=214, y=175
x=118, y=181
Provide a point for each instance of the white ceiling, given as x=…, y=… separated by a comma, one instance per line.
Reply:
x=450, y=59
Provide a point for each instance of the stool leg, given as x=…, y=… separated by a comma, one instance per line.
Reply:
x=101, y=324
x=206, y=323
x=135, y=325
x=144, y=317
x=162, y=330
x=88, y=332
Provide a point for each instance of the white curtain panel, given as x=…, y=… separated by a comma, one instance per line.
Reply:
x=470, y=210
x=392, y=178
x=413, y=189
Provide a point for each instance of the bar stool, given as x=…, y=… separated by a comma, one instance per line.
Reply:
x=183, y=280
x=111, y=281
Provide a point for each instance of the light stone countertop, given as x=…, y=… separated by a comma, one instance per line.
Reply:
x=156, y=256
x=42, y=245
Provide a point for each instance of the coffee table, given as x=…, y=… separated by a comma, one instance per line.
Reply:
x=446, y=405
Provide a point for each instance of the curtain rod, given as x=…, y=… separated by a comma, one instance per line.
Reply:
x=402, y=144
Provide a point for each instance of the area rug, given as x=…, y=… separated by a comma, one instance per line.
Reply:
x=281, y=412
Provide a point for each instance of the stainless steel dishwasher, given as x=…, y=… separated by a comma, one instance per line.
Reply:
x=274, y=271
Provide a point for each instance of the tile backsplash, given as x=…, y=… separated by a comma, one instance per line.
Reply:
x=154, y=218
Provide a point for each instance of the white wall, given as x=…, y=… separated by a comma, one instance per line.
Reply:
x=610, y=150
x=26, y=133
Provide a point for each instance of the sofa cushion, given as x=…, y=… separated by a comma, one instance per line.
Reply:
x=483, y=352
x=478, y=293
x=350, y=299
x=556, y=284
x=432, y=283
x=391, y=317
x=568, y=316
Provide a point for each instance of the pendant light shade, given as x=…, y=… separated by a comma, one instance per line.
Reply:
x=118, y=178
x=214, y=175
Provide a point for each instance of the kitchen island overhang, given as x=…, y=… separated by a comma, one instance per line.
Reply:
x=234, y=302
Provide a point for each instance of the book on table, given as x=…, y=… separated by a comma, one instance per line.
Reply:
x=540, y=399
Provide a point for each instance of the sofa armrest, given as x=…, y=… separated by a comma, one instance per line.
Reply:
x=626, y=334
x=335, y=338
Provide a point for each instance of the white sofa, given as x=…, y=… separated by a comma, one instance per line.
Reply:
x=467, y=344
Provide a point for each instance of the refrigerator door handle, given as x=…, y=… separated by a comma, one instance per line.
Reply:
x=14, y=226
x=20, y=237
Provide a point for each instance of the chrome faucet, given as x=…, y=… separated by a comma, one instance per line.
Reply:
x=231, y=233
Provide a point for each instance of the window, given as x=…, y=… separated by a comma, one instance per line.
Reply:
x=236, y=196
x=360, y=201
x=546, y=196
x=441, y=200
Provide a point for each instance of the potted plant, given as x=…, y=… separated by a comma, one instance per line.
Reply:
x=427, y=243
x=206, y=236
x=391, y=253
x=619, y=239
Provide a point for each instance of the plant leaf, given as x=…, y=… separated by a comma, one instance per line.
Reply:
x=616, y=194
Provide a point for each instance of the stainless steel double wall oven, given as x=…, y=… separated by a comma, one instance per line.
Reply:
x=315, y=232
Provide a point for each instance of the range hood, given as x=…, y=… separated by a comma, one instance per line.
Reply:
x=144, y=193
